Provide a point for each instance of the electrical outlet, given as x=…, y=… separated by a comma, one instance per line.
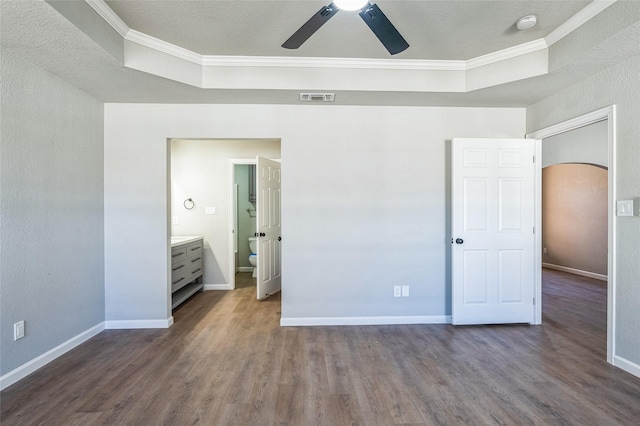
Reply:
x=209, y=210
x=175, y=221
x=544, y=250
x=18, y=330
x=397, y=291
x=405, y=291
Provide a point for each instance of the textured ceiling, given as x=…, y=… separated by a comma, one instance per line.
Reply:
x=452, y=29
x=37, y=32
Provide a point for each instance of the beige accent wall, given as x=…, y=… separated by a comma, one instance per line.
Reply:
x=574, y=217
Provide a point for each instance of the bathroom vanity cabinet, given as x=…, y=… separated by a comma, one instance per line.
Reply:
x=186, y=268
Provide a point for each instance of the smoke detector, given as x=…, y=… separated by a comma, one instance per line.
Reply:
x=317, y=97
x=526, y=22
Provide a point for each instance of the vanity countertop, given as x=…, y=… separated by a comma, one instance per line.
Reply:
x=180, y=239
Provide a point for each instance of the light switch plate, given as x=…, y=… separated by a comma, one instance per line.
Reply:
x=18, y=330
x=625, y=208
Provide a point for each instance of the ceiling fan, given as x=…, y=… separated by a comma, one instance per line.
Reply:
x=370, y=13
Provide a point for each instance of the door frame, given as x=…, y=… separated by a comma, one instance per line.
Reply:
x=609, y=114
x=233, y=162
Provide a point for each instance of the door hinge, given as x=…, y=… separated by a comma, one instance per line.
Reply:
x=534, y=159
x=534, y=301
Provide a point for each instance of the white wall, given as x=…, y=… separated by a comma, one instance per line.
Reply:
x=51, y=193
x=619, y=86
x=364, y=203
x=201, y=170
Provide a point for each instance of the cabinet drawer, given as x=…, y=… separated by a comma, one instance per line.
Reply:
x=179, y=280
x=194, y=249
x=178, y=268
x=186, y=265
x=194, y=267
x=178, y=253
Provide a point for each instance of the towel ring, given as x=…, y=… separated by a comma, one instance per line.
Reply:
x=188, y=204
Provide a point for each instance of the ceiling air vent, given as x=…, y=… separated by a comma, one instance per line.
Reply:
x=317, y=97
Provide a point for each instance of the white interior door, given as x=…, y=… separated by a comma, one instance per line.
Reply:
x=268, y=227
x=493, y=218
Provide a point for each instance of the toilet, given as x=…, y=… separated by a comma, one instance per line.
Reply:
x=253, y=259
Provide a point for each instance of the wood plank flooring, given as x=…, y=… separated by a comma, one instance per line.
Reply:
x=226, y=361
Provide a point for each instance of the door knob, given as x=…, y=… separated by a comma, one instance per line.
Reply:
x=459, y=241
x=279, y=238
x=262, y=234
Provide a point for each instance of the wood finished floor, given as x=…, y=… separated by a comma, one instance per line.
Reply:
x=226, y=361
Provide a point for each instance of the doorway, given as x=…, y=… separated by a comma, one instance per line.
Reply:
x=200, y=170
x=256, y=223
x=608, y=115
x=244, y=213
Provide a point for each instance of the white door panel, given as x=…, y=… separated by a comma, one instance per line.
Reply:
x=492, y=229
x=268, y=230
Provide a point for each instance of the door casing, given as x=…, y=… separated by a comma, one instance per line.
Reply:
x=609, y=114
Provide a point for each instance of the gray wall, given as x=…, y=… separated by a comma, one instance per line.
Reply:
x=51, y=197
x=364, y=207
x=619, y=86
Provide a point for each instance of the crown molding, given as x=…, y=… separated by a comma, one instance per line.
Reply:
x=354, y=63
x=573, y=23
x=101, y=7
x=508, y=53
x=109, y=16
x=162, y=46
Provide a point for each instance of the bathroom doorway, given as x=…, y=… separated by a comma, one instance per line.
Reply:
x=244, y=213
x=201, y=170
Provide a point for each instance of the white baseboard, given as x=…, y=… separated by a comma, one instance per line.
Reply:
x=29, y=367
x=208, y=287
x=575, y=271
x=626, y=365
x=245, y=269
x=131, y=324
x=405, y=320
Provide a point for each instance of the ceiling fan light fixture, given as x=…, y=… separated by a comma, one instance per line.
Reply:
x=350, y=4
x=371, y=14
x=526, y=22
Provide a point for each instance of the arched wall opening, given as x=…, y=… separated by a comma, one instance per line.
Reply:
x=574, y=218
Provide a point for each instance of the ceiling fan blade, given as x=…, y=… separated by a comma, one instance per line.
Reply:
x=383, y=29
x=310, y=27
